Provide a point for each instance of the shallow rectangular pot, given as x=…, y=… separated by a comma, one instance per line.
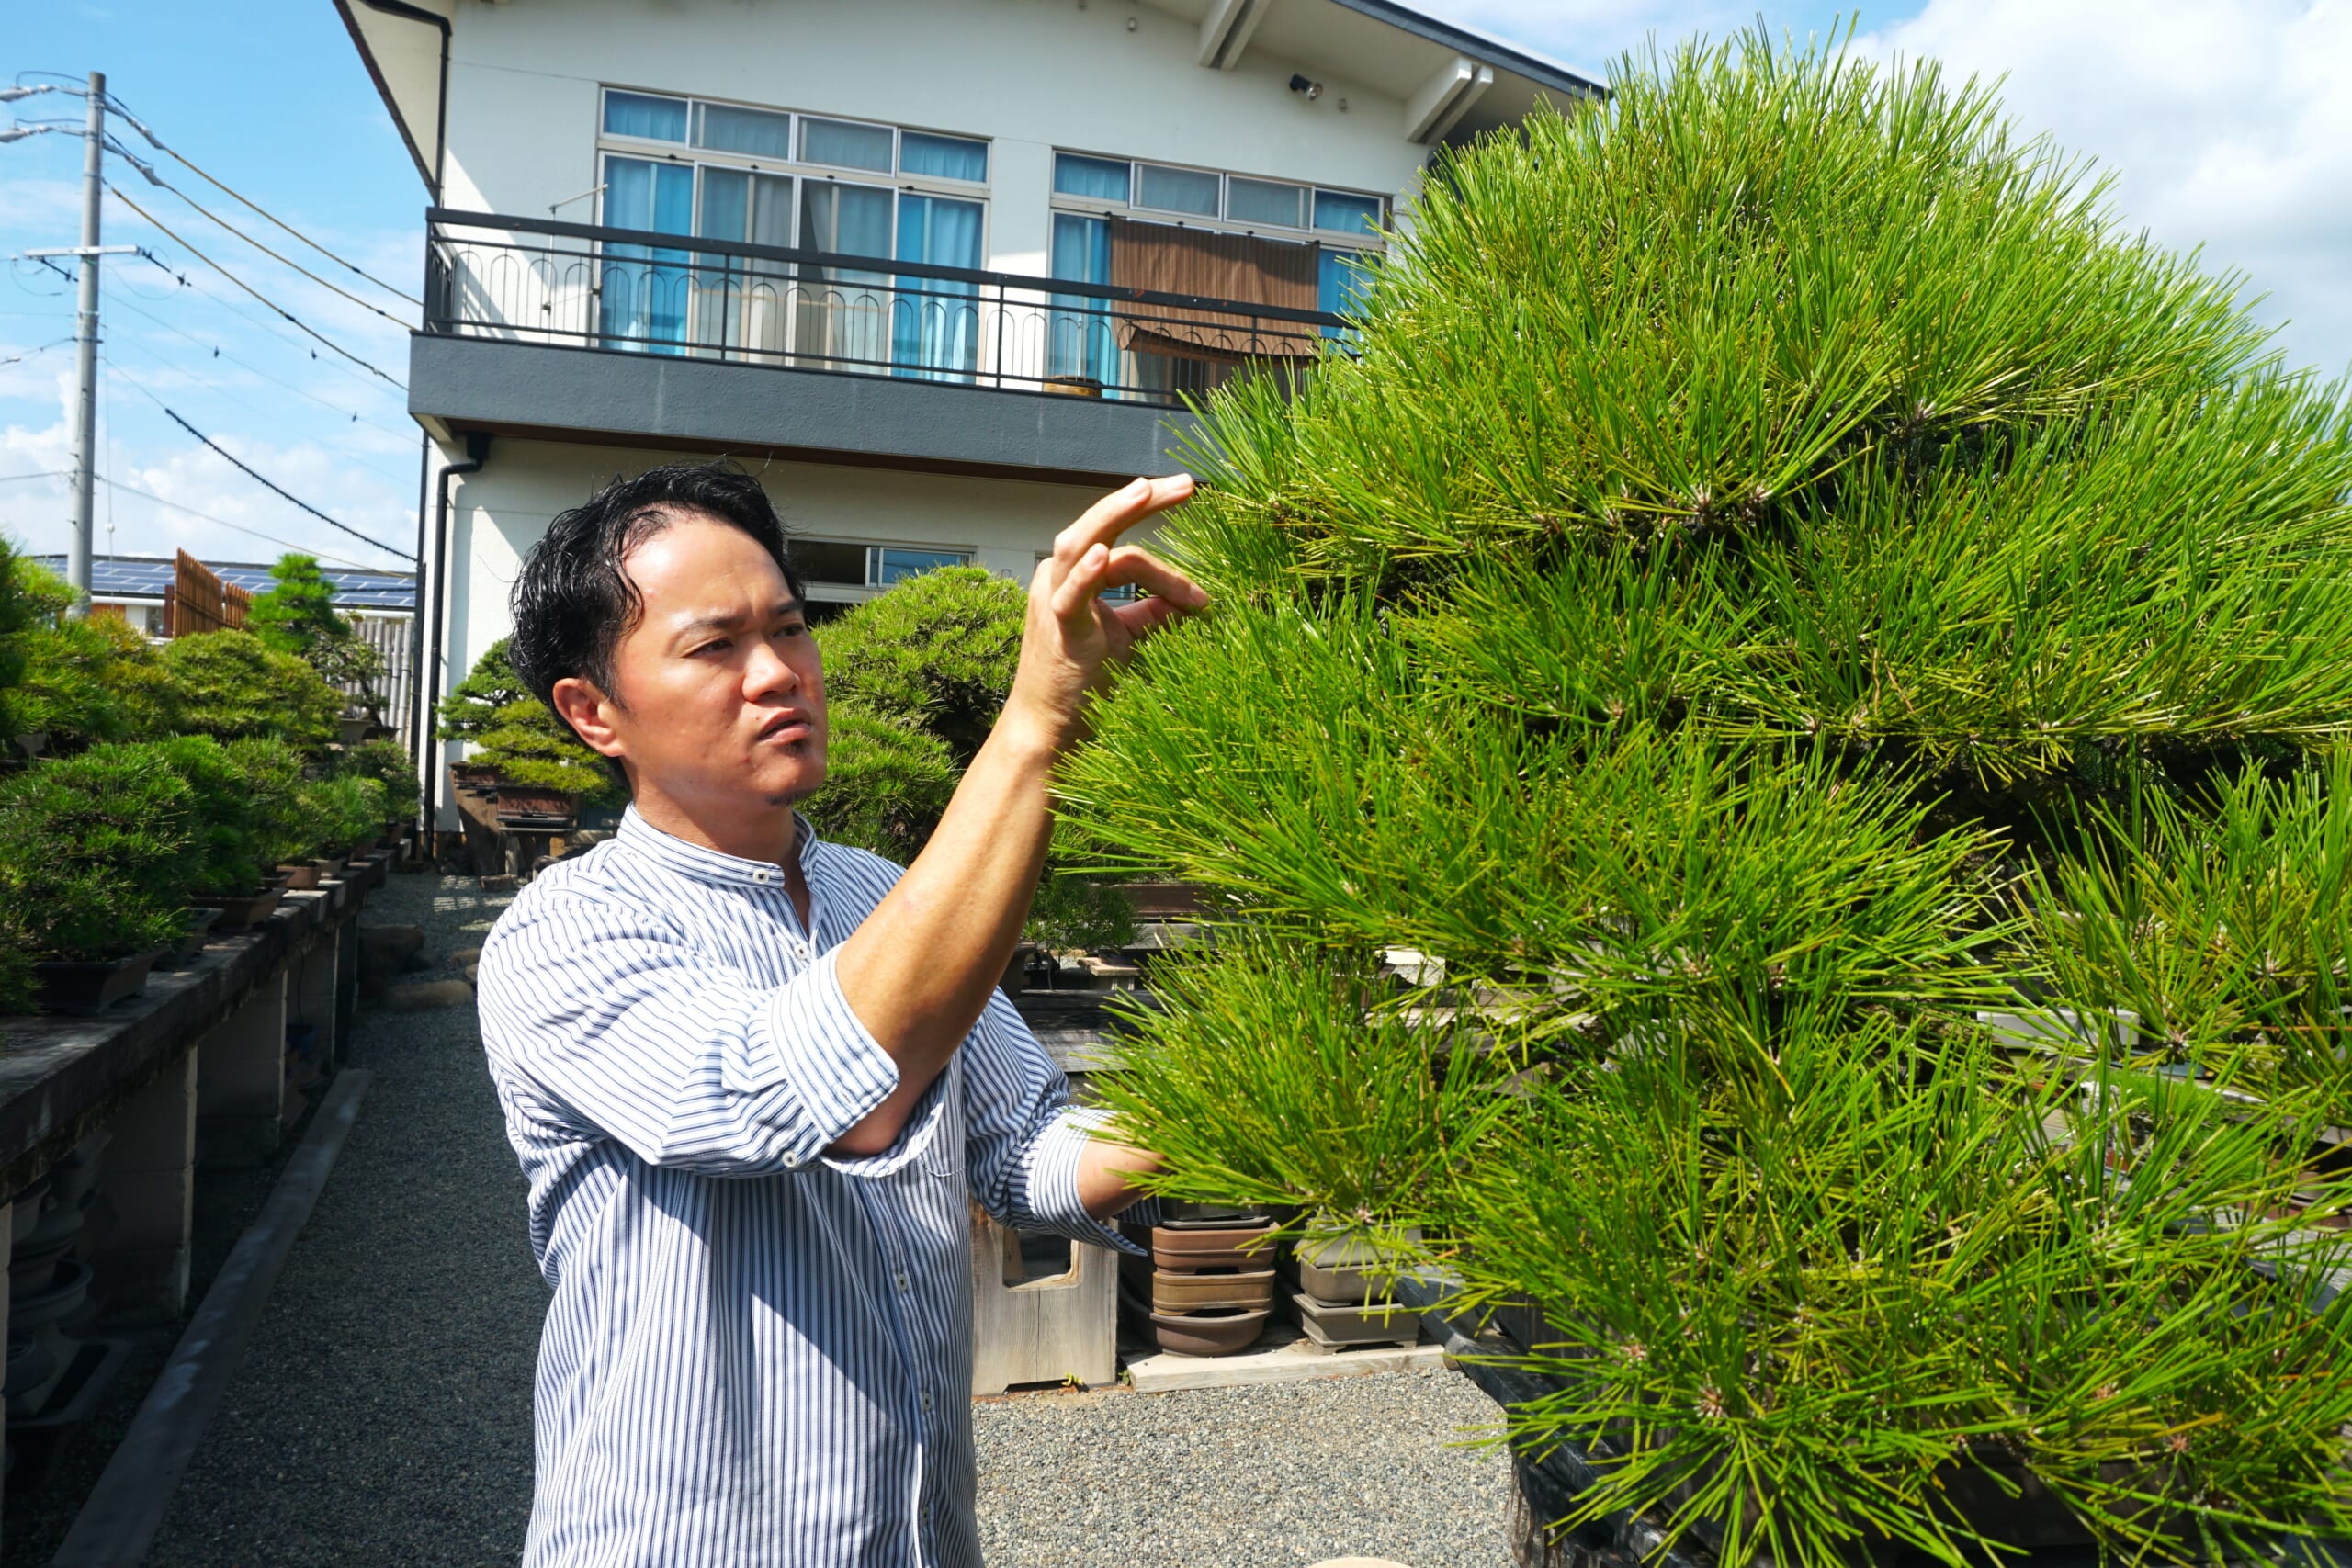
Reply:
x=1340, y=1287
x=84, y=989
x=240, y=910
x=1381, y=1324
x=201, y=918
x=1249, y=1289
x=301, y=878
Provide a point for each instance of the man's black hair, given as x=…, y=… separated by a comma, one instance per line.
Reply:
x=573, y=602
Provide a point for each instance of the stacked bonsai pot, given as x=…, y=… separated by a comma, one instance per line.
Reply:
x=1210, y=1280
x=1339, y=1285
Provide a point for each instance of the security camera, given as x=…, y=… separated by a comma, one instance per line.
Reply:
x=1301, y=84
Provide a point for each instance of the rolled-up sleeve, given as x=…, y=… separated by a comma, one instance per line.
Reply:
x=610, y=1022
x=1022, y=1138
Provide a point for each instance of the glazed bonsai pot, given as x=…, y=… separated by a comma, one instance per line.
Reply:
x=202, y=917
x=1186, y=1251
x=1209, y=1332
x=82, y=989
x=300, y=878
x=327, y=867
x=1379, y=1323
x=1245, y=1291
x=242, y=911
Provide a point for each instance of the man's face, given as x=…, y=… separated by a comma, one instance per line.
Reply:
x=720, y=696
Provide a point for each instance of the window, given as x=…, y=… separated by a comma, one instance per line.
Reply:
x=1260, y=202
x=1176, y=190
x=763, y=133
x=648, y=118
x=1097, y=179
x=943, y=157
x=770, y=176
x=1238, y=199
x=887, y=564
x=845, y=146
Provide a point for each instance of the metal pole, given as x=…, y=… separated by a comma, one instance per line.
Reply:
x=86, y=342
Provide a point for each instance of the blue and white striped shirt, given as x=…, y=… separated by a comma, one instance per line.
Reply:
x=756, y=1354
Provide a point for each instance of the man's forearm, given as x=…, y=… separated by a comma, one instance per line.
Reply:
x=920, y=969
x=1105, y=1176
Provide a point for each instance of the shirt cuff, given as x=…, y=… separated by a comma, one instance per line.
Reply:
x=835, y=1071
x=1050, y=1178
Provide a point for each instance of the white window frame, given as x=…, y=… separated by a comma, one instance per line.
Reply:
x=1096, y=206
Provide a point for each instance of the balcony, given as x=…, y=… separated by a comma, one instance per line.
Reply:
x=573, y=332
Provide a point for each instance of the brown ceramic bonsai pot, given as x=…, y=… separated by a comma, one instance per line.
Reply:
x=1209, y=1332
x=240, y=910
x=1185, y=1251
x=81, y=988
x=300, y=878
x=1198, y=1292
x=1340, y=1287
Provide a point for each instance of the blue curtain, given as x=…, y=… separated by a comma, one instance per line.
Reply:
x=1079, y=337
x=936, y=328
x=943, y=157
x=642, y=300
x=1342, y=279
x=846, y=312
x=1098, y=179
x=634, y=114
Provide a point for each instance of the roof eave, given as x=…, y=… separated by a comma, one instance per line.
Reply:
x=1479, y=46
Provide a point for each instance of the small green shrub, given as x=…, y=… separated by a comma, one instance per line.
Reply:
x=388, y=762
x=226, y=846
x=98, y=851
x=346, y=812
x=914, y=680
x=283, y=830
x=230, y=686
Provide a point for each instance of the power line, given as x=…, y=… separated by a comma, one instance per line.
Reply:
x=42, y=474
x=240, y=527
x=173, y=416
x=249, y=288
x=220, y=392
x=219, y=353
x=44, y=348
x=158, y=143
x=283, y=261
x=246, y=313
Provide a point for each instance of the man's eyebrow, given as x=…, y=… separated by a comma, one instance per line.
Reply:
x=727, y=623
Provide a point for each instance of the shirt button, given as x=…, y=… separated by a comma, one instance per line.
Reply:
x=903, y=1282
x=926, y=1399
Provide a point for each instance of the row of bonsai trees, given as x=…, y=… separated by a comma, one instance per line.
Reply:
x=134, y=778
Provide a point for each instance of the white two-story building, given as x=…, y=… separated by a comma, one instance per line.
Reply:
x=938, y=270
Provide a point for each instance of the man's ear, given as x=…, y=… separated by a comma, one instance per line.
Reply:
x=578, y=703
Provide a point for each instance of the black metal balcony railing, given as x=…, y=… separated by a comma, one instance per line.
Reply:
x=533, y=280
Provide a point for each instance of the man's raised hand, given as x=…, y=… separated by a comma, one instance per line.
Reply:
x=1073, y=637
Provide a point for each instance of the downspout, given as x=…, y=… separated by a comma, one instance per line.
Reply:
x=420, y=730
x=477, y=453
x=441, y=108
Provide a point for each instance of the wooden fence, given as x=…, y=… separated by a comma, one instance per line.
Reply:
x=197, y=600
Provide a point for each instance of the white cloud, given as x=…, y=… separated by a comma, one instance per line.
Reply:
x=2227, y=123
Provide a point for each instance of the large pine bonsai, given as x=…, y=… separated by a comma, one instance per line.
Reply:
x=1827, y=652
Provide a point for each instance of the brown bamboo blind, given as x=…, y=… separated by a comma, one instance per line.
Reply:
x=197, y=600
x=1164, y=259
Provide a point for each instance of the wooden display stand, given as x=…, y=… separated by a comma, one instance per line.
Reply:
x=1061, y=1328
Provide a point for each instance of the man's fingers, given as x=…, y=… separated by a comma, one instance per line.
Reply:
x=1145, y=616
x=1133, y=566
x=1103, y=522
x=1087, y=576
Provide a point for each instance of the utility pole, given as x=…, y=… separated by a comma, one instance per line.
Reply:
x=86, y=345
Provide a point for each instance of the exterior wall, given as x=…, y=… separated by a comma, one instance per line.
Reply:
x=1029, y=74
x=499, y=513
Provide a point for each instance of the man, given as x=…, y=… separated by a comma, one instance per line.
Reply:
x=752, y=1076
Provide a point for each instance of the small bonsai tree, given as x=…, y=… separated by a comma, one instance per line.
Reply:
x=387, y=761
x=224, y=847
x=297, y=615
x=98, y=851
x=346, y=811
x=1790, y=621
x=914, y=680
x=285, y=832
x=228, y=685
x=520, y=736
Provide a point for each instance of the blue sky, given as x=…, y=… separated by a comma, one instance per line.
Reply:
x=2220, y=115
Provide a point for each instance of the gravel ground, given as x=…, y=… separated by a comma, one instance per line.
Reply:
x=382, y=1415
x=1277, y=1476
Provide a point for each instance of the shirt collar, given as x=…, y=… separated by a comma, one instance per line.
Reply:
x=712, y=866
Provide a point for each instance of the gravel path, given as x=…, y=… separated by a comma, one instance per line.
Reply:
x=383, y=1414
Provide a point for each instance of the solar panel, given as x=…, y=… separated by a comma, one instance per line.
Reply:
x=146, y=578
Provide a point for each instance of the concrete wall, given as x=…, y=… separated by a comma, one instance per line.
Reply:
x=1031, y=75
